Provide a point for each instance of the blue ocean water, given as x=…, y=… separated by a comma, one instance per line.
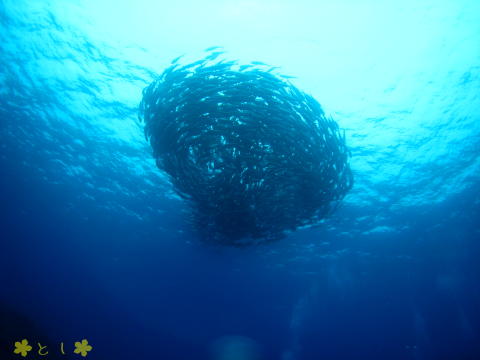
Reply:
x=94, y=243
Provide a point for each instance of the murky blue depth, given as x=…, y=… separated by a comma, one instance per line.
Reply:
x=94, y=242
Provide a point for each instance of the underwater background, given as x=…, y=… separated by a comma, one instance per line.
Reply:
x=94, y=243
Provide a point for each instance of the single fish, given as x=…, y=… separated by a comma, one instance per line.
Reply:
x=174, y=61
x=213, y=48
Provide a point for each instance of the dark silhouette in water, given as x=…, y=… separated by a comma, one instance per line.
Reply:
x=254, y=156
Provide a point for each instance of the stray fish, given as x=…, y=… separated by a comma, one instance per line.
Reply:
x=214, y=55
x=174, y=61
x=213, y=48
x=257, y=63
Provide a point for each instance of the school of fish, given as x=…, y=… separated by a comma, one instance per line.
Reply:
x=254, y=157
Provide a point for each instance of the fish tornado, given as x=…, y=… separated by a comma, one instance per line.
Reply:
x=253, y=156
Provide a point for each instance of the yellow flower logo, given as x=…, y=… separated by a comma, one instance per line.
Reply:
x=22, y=347
x=82, y=347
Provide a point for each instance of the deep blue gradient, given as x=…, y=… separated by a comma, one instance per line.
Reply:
x=94, y=243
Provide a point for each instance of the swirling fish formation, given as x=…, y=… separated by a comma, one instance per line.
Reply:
x=254, y=156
